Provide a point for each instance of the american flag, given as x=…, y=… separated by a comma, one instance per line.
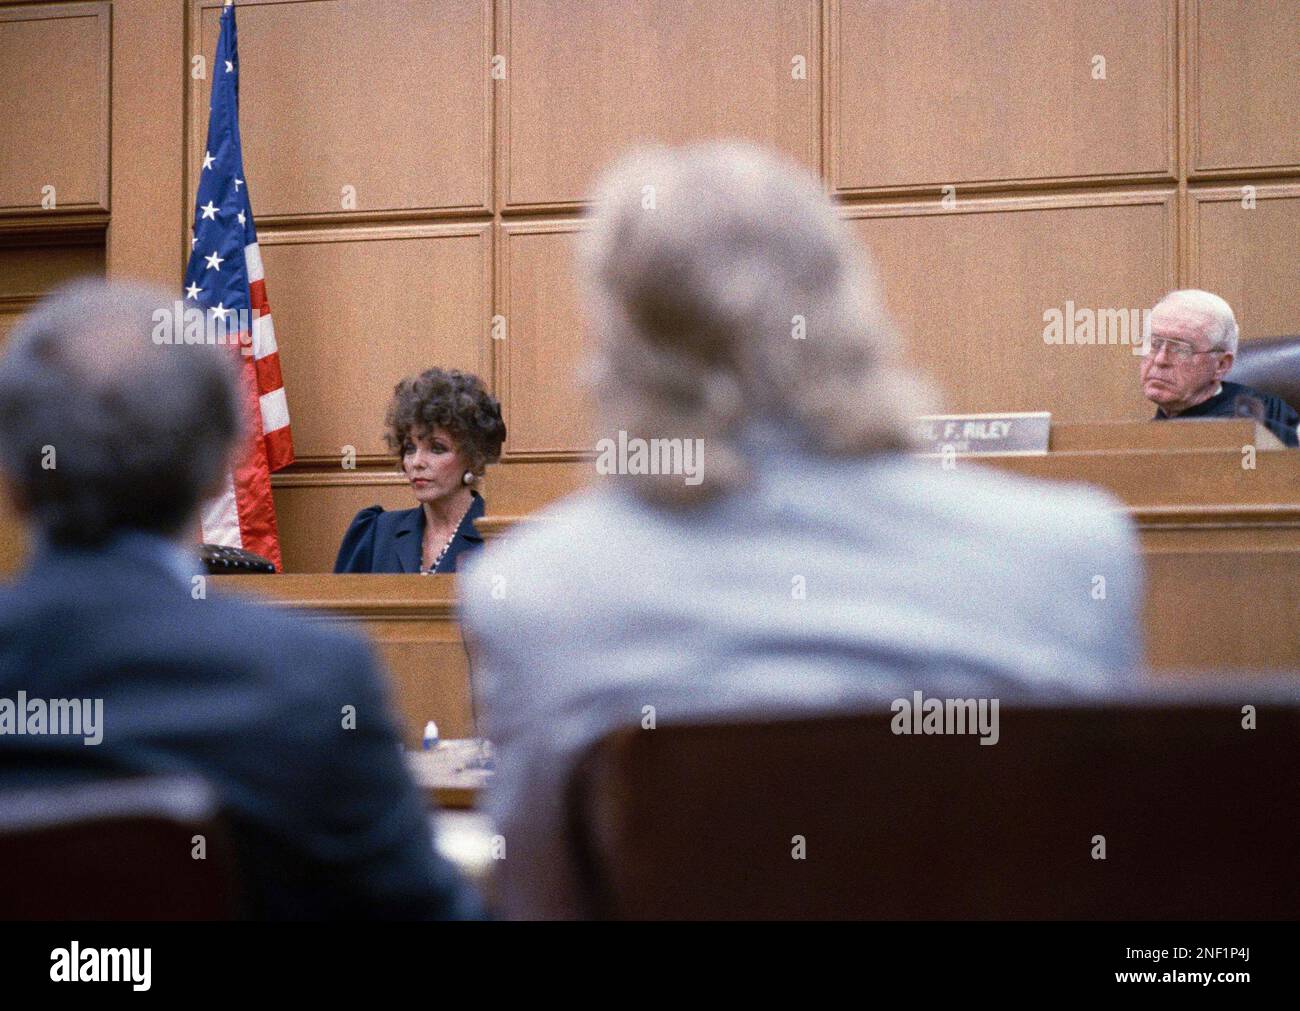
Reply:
x=224, y=278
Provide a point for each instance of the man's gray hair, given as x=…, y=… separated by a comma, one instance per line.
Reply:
x=724, y=289
x=101, y=428
x=1220, y=324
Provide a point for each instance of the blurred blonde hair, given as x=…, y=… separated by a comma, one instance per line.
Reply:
x=699, y=266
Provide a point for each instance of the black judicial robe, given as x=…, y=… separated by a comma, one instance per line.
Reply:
x=1238, y=401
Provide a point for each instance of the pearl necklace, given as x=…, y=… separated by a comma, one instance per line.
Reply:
x=441, y=554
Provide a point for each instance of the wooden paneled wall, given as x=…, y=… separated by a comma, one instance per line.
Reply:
x=55, y=84
x=54, y=148
x=417, y=169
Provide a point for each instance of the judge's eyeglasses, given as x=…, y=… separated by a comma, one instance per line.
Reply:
x=1178, y=350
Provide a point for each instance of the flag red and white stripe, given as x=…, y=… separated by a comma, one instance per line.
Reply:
x=243, y=515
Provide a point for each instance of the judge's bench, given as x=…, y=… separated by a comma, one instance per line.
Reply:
x=1216, y=504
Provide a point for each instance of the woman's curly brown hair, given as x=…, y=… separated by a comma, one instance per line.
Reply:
x=450, y=399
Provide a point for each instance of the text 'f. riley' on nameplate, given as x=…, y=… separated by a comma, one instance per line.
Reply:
x=1018, y=433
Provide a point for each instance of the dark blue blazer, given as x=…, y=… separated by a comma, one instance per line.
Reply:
x=379, y=541
x=327, y=822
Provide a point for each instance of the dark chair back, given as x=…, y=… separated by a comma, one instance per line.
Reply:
x=1270, y=364
x=115, y=850
x=1199, y=818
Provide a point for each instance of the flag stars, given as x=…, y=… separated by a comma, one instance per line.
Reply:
x=207, y=160
x=193, y=292
x=220, y=311
x=238, y=183
x=214, y=261
x=241, y=217
x=230, y=67
x=209, y=211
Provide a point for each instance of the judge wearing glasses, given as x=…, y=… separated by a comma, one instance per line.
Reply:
x=445, y=428
x=1193, y=339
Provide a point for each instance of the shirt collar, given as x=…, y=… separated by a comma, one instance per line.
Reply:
x=177, y=560
x=1204, y=405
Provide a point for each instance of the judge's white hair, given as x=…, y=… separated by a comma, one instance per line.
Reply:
x=1220, y=324
x=723, y=289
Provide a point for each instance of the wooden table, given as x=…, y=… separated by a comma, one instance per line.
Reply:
x=451, y=773
x=1126, y=436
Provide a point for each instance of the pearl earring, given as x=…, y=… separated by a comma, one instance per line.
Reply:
x=468, y=478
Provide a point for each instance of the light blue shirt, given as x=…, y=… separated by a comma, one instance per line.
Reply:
x=828, y=584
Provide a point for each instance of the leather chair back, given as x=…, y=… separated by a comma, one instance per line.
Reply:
x=115, y=850
x=1270, y=364
x=1196, y=817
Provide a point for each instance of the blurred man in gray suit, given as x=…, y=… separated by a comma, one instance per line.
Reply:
x=109, y=441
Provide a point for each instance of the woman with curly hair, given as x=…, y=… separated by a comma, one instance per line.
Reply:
x=445, y=428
